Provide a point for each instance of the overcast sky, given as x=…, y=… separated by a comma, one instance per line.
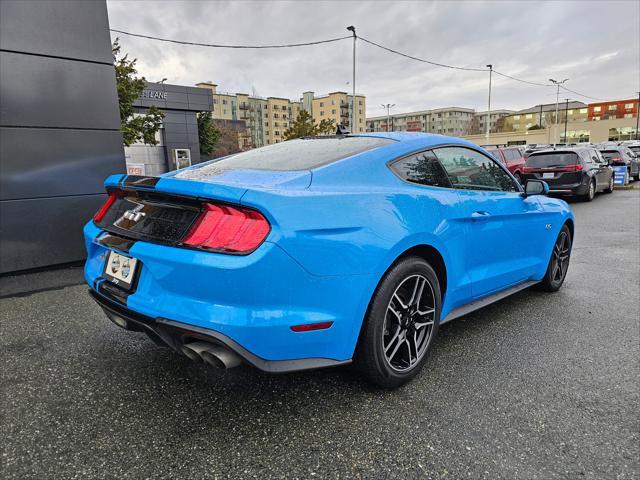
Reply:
x=595, y=44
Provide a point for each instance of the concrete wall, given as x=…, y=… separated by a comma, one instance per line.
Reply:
x=59, y=127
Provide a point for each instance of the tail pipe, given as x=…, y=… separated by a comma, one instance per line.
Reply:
x=214, y=355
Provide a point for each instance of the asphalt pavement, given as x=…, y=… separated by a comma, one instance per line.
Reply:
x=537, y=386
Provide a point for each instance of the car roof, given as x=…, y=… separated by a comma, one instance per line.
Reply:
x=420, y=139
x=561, y=150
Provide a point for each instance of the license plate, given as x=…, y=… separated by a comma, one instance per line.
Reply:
x=548, y=175
x=120, y=270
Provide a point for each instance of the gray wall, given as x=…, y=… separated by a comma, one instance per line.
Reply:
x=180, y=105
x=59, y=128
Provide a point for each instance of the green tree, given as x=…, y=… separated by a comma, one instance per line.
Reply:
x=304, y=126
x=208, y=134
x=134, y=128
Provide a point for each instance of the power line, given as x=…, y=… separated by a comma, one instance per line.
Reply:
x=214, y=45
x=581, y=94
x=522, y=81
x=470, y=69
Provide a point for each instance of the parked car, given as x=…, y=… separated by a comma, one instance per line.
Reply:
x=634, y=146
x=623, y=156
x=511, y=157
x=580, y=171
x=318, y=252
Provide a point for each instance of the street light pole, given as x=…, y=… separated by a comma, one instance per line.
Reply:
x=566, y=116
x=352, y=29
x=555, y=128
x=488, y=126
x=388, y=106
x=638, y=117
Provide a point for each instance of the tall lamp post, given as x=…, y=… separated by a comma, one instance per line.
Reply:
x=638, y=117
x=557, y=83
x=488, y=127
x=352, y=29
x=388, y=106
x=566, y=116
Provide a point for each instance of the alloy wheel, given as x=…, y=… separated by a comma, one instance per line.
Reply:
x=408, y=323
x=560, y=259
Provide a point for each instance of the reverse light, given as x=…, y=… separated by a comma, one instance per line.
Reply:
x=105, y=207
x=308, y=327
x=227, y=228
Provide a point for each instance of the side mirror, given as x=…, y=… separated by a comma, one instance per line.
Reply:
x=536, y=187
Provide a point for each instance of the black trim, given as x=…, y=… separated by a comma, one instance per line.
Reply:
x=137, y=181
x=175, y=333
x=113, y=292
x=116, y=242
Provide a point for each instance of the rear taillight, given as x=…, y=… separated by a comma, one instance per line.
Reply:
x=616, y=159
x=226, y=228
x=569, y=168
x=105, y=206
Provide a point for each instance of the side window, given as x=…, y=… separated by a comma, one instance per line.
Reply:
x=423, y=168
x=470, y=170
x=595, y=156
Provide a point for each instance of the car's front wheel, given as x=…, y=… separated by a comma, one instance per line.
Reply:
x=559, y=262
x=401, y=324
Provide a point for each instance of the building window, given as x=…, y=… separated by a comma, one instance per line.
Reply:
x=622, y=133
x=613, y=107
x=628, y=115
x=224, y=112
x=276, y=133
x=583, y=110
x=224, y=101
x=595, y=119
x=321, y=104
x=333, y=112
x=359, y=102
x=516, y=117
x=528, y=116
x=628, y=106
x=322, y=113
x=597, y=109
x=333, y=102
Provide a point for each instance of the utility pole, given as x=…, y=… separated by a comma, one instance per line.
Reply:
x=352, y=29
x=540, y=124
x=566, y=115
x=388, y=106
x=488, y=126
x=555, y=129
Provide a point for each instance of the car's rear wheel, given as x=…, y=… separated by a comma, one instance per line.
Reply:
x=591, y=192
x=401, y=324
x=609, y=189
x=559, y=262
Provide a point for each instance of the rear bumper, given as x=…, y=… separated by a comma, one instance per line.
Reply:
x=248, y=302
x=175, y=334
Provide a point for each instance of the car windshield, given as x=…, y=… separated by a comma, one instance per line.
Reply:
x=299, y=154
x=635, y=148
x=552, y=159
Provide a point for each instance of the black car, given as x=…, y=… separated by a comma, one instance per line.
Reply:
x=621, y=155
x=580, y=171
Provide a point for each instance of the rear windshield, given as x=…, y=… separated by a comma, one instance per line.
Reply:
x=635, y=148
x=552, y=159
x=609, y=154
x=299, y=154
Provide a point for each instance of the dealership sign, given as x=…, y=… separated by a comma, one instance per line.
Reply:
x=621, y=175
x=154, y=94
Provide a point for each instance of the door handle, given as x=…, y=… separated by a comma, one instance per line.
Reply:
x=480, y=215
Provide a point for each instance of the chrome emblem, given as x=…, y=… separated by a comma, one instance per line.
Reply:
x=134, y=215
x=548, y=226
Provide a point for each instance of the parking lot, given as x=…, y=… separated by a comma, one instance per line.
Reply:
x=535, y=386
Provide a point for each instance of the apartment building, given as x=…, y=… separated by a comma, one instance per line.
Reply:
x=265, y=119
x=542, y=116
x=336, y=106
x=614, y=109
x=454, y=121
x=479, y=122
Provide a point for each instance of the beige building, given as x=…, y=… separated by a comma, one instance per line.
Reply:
x=543, y=116
x=617, y=129
x=337, y=106
x=259, y=121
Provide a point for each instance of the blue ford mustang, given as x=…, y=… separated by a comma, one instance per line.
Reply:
x=322, y=251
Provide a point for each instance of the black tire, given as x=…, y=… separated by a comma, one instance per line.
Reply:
x=518, y=177
x=591, y=192
x=609, y=189
x=380, y=326
x=552, y=281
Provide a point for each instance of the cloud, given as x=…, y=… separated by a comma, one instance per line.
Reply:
x=596, y=45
